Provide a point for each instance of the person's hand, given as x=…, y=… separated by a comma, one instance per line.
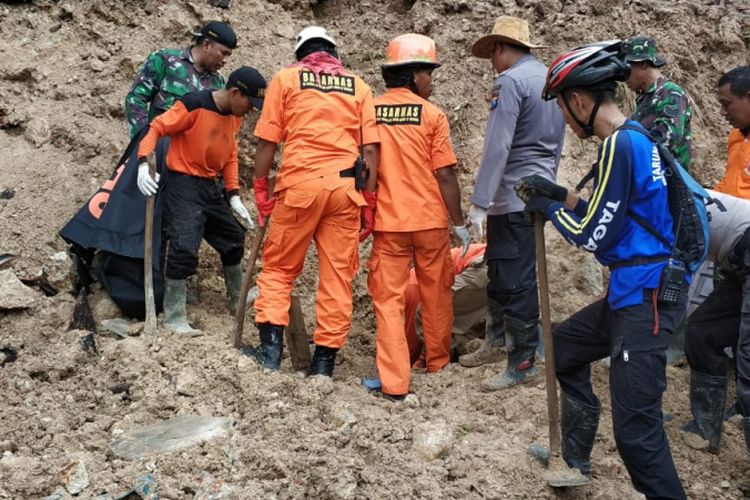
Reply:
x=531, y=185
x=146, y=185
x=241, y=212
x=477, y=216
x=538, y=205
x=462, y=233
x=368, y=214
x=263, y=201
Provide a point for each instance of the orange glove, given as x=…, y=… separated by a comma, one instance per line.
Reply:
x=368, y=214
x=262, y=200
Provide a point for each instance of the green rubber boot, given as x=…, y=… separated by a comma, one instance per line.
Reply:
x=523, y=338
x=175, y=309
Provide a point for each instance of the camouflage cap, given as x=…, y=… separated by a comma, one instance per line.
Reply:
x=642, y=48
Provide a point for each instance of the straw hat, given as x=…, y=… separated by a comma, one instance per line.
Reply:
x=507, y=29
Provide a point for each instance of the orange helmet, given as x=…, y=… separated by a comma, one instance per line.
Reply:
x=410, y=49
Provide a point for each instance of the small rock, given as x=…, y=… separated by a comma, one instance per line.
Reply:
x=540, y=453
x=75, y=477
x=59, y=271
x=343, y=415
x=122, y=327
x=212, y=489
x=725, y=484
x=97, y=65
x=285, y=30
x=186, y=383
x=432, y=440
x=411, y=400
x=37, y=131
x=694, y=441
x=13, y=293
x=7, y=446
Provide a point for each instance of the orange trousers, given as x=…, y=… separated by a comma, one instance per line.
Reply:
x=388, y=279
x=325, y=210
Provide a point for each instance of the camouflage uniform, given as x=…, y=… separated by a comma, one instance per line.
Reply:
x=664, y=109
x=167, y=75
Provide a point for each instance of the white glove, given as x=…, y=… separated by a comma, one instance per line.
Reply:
x=462, y=233
x=477, y=216
x=146, y=185
x=241, y=212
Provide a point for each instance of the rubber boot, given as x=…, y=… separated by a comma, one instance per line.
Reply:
x=175, y=308
x=523, y=338
x=707, y=398
x=233, y=283
x=578, y=424
x=494, y=339
x=268, y=354
x=322, y=361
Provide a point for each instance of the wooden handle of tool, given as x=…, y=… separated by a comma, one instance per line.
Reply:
x=148, y=269
x=553, y=407
x=247, y=279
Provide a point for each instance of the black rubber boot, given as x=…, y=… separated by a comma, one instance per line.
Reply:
x=271, y=346
x=522, y=340
x=578, y=423
x=322, y=361
x=707, y=398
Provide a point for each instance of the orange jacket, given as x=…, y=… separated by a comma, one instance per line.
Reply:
x=319, y=122
x=204, y=141
x=736, y=181
x=414, y=143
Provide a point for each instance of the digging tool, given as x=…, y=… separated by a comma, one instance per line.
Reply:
x=247, y=279
x=149, y=326
x=559, y=475
x=296, y=337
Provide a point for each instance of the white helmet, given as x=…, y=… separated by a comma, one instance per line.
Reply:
x=310, y=33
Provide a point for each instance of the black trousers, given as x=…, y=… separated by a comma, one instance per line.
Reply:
x=197, y=209
x=511, y=265
x=723, y=320
x=636, y=338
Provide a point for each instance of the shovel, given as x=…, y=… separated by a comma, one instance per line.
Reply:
x=149, y=326
x=558, y=475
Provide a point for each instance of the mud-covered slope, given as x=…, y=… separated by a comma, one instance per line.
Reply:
x=65, y=68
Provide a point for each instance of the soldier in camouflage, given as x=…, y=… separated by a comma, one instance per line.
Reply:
x=662, y=106
x=169, y=74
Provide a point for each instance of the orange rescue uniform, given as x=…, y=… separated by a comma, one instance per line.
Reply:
x=319, y=122
x=204, y=141
x=736, y=181
x=411, y=224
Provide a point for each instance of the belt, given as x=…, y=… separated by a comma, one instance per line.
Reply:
x=349, y=172
x=639, y=261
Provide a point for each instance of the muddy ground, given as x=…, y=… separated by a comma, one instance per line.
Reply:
x=65, y=68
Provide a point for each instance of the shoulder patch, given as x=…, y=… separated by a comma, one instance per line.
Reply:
x=398, y=114
x=342, y=84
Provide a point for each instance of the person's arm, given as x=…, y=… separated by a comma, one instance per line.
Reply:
x=264, y=155
x=670, y=108
x=606, y=211
x=173, y=121
x=451, y=193
x=231, y=173
x=370, y=139
x=145, y=86
x=501, y=128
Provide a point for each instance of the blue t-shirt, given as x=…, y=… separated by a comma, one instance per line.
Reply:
x=629, y=177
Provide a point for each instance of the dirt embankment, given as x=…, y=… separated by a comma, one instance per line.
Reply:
x=65, y=68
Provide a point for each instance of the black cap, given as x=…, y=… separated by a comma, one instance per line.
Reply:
x=218, y=32
x=250, y=82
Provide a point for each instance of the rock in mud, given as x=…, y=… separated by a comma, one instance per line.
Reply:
x=75, y=477
x=169, y=435
x=432, y=440
x=13, y=293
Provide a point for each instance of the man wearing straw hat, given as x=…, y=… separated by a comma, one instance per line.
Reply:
x=524, y=136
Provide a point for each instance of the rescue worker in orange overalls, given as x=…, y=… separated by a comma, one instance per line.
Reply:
x=323, y=114
x=417, y=193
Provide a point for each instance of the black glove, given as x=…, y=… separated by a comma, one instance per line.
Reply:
x=538, y=205
x=531, y=185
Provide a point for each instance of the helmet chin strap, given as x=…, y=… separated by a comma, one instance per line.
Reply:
x=588, y=129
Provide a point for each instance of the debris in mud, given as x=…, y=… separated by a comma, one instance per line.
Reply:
x=122, y=327
x=8, y=354
x=75, y=477
x=169, y=435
